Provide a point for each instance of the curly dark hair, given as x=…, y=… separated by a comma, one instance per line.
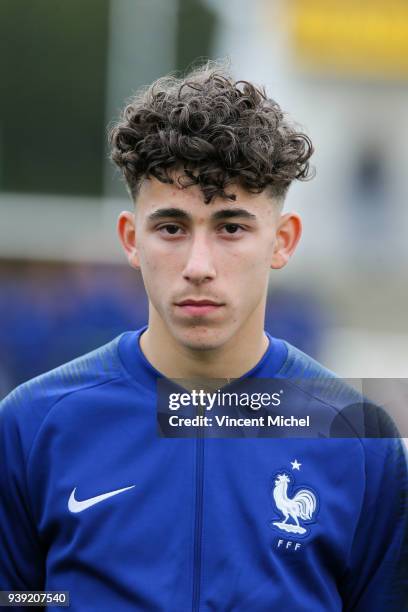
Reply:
x=215, y=131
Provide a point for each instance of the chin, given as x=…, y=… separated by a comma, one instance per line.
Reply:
x=201, y=338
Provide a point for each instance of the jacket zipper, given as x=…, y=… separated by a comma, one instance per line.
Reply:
x=198, y=520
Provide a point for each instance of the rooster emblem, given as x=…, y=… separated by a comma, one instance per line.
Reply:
x=301, y=506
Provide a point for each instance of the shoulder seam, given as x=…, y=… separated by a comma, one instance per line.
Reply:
x=51, y=408
x=325, y=374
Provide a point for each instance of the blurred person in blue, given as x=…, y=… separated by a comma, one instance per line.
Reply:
x=71, y=308
x=94, y=502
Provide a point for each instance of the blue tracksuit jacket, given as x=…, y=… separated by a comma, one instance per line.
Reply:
x=94, y=502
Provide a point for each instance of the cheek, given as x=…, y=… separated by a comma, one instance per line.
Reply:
x=157, y=270
x=247, y=279
x=251, y=264
x=254, y=270
x=256, y=252
x=149, y=269
x=149, y=258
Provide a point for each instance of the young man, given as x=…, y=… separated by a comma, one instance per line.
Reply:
x=94, y=502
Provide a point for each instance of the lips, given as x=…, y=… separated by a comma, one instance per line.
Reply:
x=198, y=303
x=198, y=308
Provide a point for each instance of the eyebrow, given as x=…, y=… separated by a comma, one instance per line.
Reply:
x=178, y=213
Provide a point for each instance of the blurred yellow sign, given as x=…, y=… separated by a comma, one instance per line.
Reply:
x=362, y=37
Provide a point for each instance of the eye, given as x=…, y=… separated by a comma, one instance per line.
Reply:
x=170, y=229
x=232, y=228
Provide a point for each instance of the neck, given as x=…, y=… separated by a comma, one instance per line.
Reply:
x=231, y=360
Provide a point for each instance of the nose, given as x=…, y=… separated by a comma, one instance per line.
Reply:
x=199, y=267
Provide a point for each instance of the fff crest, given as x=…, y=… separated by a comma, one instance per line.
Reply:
x=298, y=507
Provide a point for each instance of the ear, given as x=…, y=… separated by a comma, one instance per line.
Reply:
x=126, y=228
x=288, y=233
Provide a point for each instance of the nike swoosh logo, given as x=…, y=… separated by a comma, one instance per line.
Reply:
x=78, y=506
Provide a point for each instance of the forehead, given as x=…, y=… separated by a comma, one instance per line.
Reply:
x=154, y=194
